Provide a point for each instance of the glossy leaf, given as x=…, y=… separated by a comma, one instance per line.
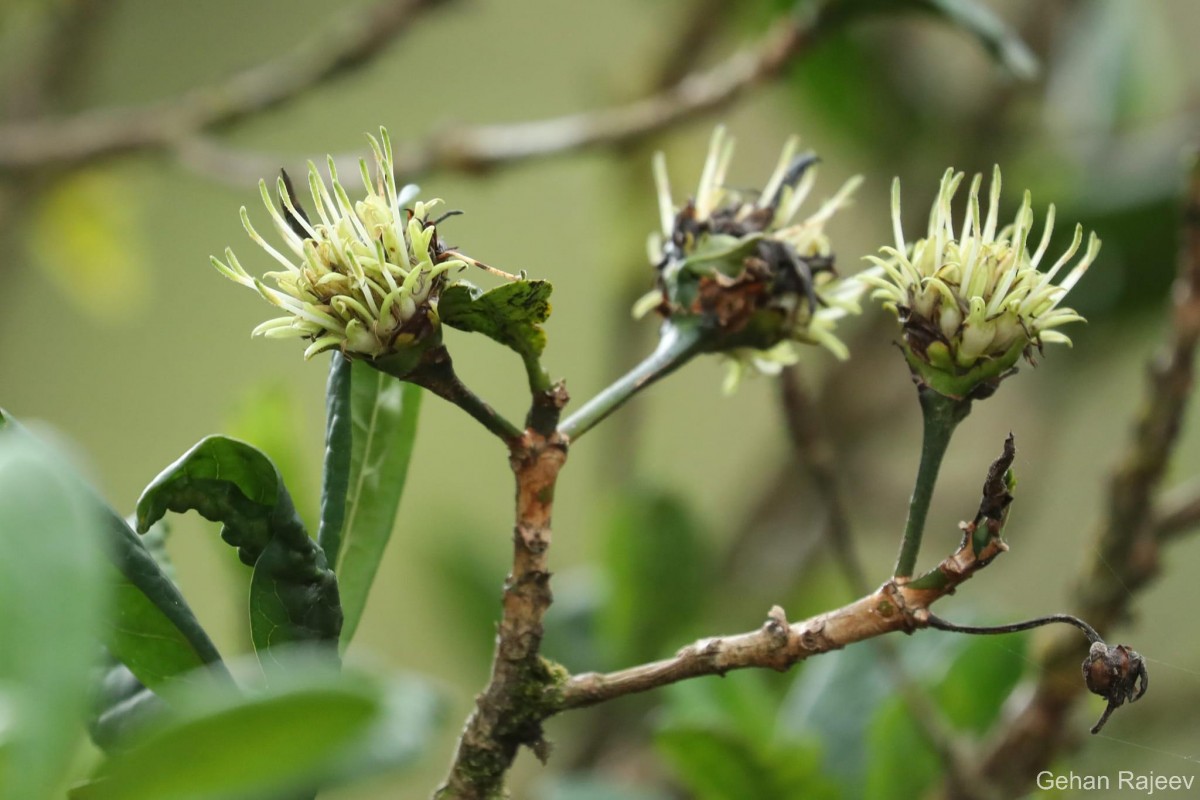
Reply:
x=293, y=594
x=653, y=550
x=306, y=726
x=383, y=421
x=121, y=704
x=151, y=629
x=511, y=314
x=52, y=604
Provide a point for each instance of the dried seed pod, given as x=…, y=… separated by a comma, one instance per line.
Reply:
x=1116, y=673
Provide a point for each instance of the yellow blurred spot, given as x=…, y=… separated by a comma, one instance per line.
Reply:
x=84, y=235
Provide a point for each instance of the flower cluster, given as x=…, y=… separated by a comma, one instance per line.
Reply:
x=363, y=277
x=742, y=263
x=971, y=305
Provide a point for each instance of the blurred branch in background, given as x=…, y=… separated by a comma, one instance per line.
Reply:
x=345, y=44
x=479, y=148
x=1126, y=552
x=1178, y=512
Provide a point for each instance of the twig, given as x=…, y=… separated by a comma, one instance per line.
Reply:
x=345, y=43
x=436, y=373
x=679, y=343
x=778, y=645
x=1128, y=543
x=483, y=147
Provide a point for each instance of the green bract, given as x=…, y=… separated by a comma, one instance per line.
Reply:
x=756, y=277
x=971, y=305
x=363, y=277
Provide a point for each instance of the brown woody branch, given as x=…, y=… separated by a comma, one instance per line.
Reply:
x=1128, y=543
x=778, y=645
x=344, y=43
x=509, y=712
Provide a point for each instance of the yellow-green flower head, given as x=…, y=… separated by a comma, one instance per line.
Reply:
x=363, y=277
x=972, y=304
x=746, y=265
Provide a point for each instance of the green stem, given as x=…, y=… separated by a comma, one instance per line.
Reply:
x=942, y=415
x=436, y=373
x=677, y=345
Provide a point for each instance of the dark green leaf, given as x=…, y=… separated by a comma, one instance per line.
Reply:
x=151, y=629
x=511, y=313
x=293, y=594
x=52, y=604
x=657, y=562
x=383, y=418
x=307, y=726
x=121, y=704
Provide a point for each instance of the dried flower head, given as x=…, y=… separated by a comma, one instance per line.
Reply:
x=972, y=304
x=742, y=263
x=363, y=277
x=1117, y=673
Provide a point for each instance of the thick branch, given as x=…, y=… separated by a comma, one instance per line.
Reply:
x=345, y=43
x=1127, y=551
x=510, y=711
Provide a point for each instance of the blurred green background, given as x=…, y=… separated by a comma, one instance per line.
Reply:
x=118, y=335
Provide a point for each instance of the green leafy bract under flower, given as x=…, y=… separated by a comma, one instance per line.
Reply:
x=758, y=278
x=972, y=304
x=363, y=277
